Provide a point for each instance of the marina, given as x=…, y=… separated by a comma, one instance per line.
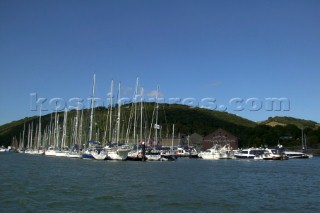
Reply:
x=136, y=137
x=143, y=153
x=159, y=106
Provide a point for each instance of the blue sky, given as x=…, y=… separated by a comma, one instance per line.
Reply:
x=249, y=50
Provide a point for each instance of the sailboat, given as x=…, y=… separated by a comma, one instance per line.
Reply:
x=135, y=154
x=29, y=141
x=302, y=154
x=117, y=151
x=52, y=149
x=88, y=152
x=64, y=150
x=101, y=153
x=21, y=144
x=169, y=155
x=38, y=148
x=153, y=154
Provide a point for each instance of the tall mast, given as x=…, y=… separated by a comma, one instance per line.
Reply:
x=49, y=131
x=110, y=112
x=119, y=114
x=58, y=131
x=24, y=129
x=31, y=138
x=55, y=142
x=64, y=134
x=302, y=139
x=135, y=111
x=141, y=113
x=76, y=126
x=35, y=147
x=80, y=130
x=39, y=133
x=92, y=105
x=172, y=138
x=156, y=124
x=105, y=139
x=29, y=133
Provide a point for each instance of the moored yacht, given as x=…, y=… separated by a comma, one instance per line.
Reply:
x=135, y=155
x=217, y=152
x=3, y=149
x=64, y=152
x=273, y=154
x=51, y=151
x=99, y=154
x=182, y=152
x=251, y=153
x=152, y=154
x=117, y=152
x=297, y=155
x=210, y=154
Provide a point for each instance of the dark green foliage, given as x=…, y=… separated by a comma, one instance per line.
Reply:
x=187, y=120
x=294, y=121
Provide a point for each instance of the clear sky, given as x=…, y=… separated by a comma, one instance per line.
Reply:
x=217, y=49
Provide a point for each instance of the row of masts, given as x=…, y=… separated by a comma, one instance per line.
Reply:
x=57, y=135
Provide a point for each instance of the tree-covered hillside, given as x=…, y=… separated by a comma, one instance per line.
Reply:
x=301, y=123
x=187, y=120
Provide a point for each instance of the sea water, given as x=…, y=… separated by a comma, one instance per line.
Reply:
x=50, y=184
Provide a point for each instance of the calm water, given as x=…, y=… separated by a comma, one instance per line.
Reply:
x=50, y=184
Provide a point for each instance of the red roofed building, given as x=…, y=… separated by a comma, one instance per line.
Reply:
x=220, y=137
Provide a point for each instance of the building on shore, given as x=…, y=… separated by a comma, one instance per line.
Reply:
x=220, y=137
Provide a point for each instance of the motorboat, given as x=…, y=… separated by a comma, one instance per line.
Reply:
x=251, y=153
x=273, y=154
x=135, y=155
x=3, y=149
x=117, y=152
x=297, y=155
x=216, y=153
x=182, y=152
x=99, y=154
x=153, y=155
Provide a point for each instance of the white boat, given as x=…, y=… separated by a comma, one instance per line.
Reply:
x=117, y=155
x=251, y=153
x=118, y=152
x=39, y=152
x=193, y=153
x=216, y=152
x=210, y=154
x=34, y=152
x=99, y=154
x=273, y=154
x=181, y=152
x=135, y=155
x=64, y=152
x=87, y=154
x=51, y=151
x=28, y=151
x=296, y=155
x=299, y=155
x=3, y=149
x=153, y=155
x=74, y=154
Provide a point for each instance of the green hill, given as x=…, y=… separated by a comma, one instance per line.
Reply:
x=187, y=120
x=301, y=123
